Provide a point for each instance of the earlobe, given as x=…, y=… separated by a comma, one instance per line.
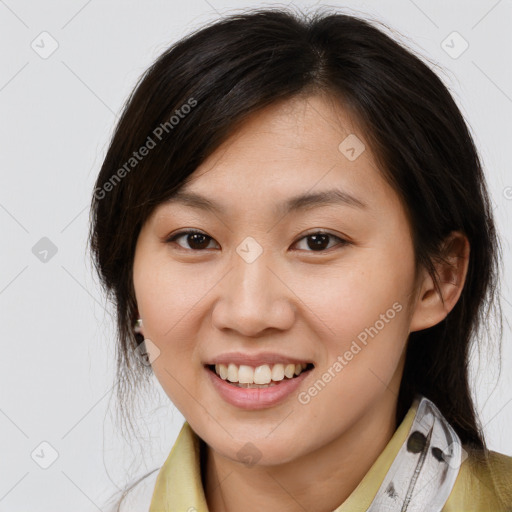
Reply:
x=451, y=268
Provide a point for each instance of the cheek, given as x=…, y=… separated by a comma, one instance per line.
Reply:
x=356, y=296
x=362, y=349
x=166, y=302
x=163, y=301
x=164, y=293
x=365, y=319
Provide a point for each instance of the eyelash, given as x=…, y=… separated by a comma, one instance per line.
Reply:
x=342, y=241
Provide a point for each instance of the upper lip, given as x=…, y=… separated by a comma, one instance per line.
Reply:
x=255, y=360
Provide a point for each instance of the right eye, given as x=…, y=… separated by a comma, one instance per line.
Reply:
x=197, y=240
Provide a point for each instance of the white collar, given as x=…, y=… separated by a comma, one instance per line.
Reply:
x=424, y=471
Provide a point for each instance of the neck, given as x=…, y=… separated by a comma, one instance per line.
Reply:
x=320, y=480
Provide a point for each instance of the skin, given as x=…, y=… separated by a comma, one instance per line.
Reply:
x=293, y=299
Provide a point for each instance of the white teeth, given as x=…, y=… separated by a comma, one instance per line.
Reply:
x=263, y=374
x=289, y=370
x=223, y=371
x=278, y=372
x=245, y=374
x=232, y=373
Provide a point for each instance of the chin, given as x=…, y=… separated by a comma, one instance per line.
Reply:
x=253, y=453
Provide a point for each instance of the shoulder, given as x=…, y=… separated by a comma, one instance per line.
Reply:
x=484, y=483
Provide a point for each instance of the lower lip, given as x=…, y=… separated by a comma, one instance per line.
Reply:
x=256, y=398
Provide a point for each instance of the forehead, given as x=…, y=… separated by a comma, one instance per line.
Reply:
x=289, y=156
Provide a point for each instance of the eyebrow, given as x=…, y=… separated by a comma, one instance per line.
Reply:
x=304, y=201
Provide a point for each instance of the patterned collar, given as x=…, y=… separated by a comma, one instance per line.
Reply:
x=424, y=471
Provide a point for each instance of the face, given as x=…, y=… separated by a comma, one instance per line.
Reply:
x=330, y=284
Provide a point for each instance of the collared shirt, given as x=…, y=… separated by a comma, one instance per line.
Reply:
x=478, y=487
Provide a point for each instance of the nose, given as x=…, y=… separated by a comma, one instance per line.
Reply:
x=253, y=298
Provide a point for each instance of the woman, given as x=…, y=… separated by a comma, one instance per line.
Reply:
x=293, y=222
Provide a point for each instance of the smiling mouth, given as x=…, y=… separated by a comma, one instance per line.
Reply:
x=263, y=376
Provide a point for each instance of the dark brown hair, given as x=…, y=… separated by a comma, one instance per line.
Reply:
x=233, y=67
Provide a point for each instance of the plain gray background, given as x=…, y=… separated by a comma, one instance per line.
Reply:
x=57, y=113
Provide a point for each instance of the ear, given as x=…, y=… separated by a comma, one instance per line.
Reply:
x=431, y=308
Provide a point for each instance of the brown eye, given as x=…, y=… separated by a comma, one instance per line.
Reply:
x=319, y=241
x=196, y=240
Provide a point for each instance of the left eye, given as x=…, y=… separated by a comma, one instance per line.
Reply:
x=318, y=240
x=199, y=241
